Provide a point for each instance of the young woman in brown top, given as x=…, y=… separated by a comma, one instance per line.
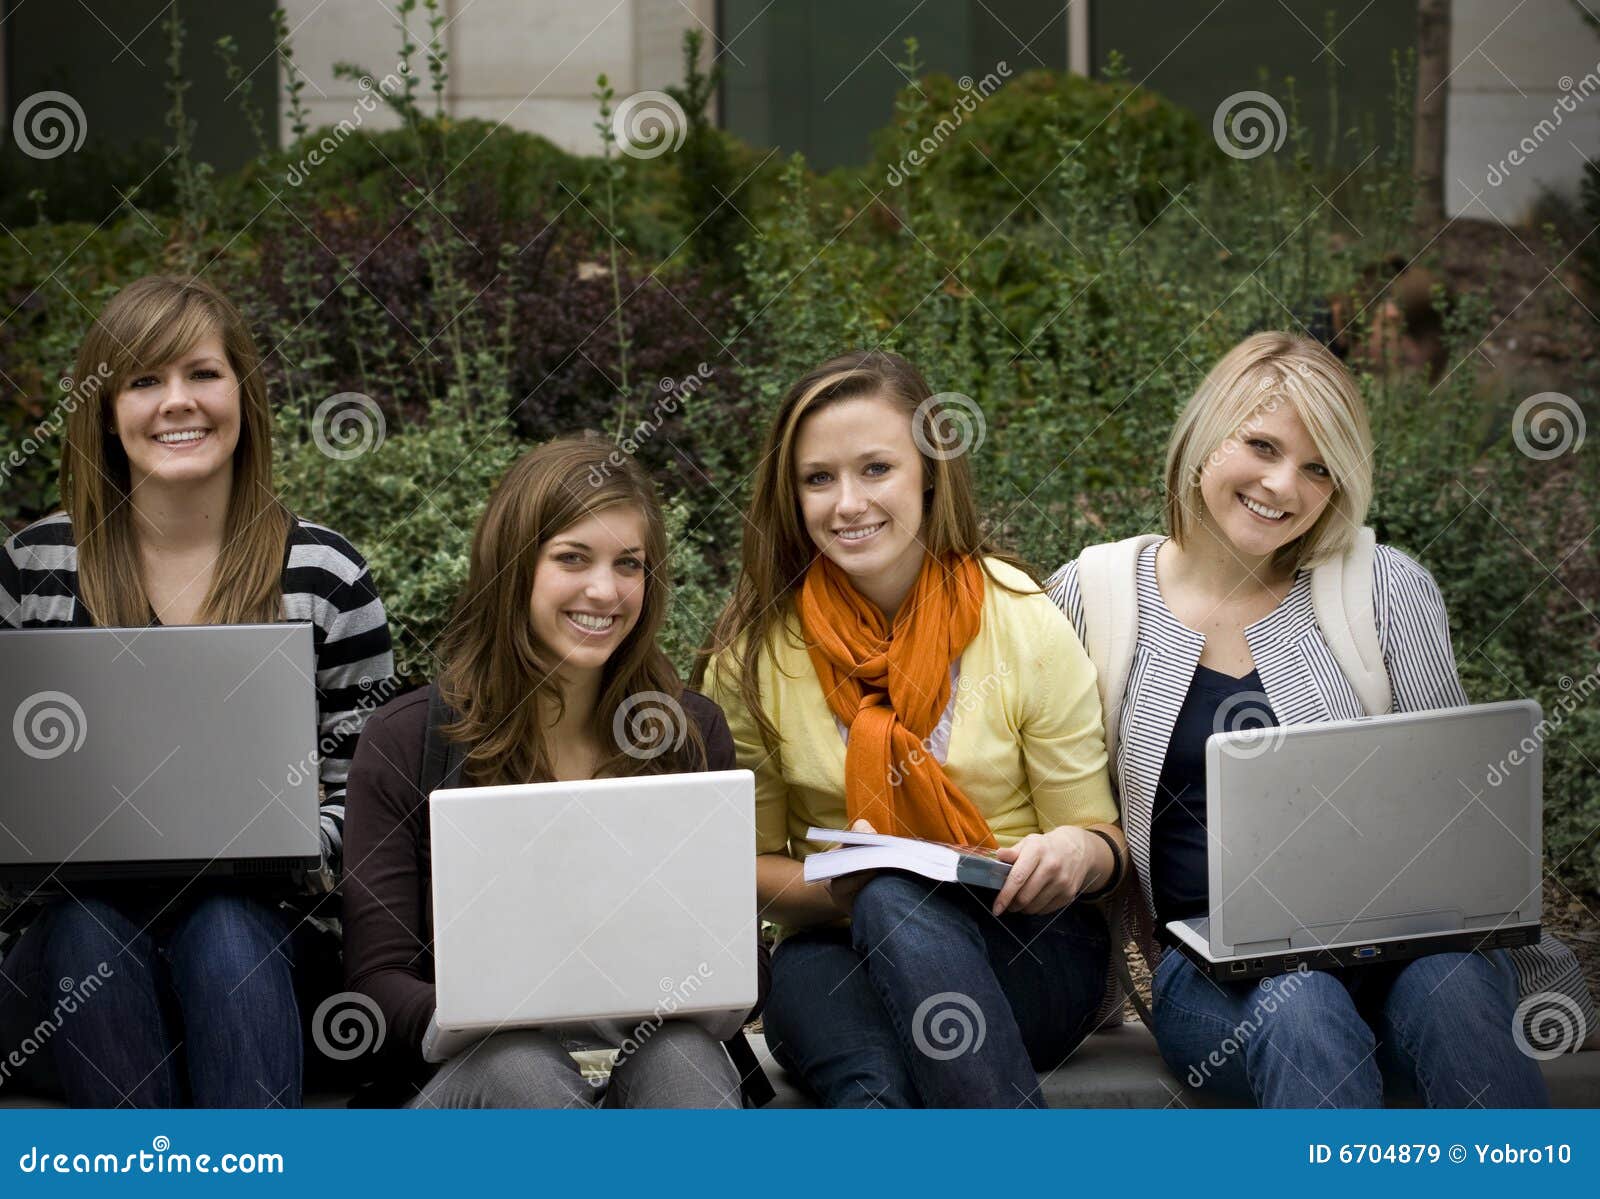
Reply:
x=565, y=597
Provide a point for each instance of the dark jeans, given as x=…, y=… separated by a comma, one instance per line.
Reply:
x=1440, y=1025
x=115, y=999
x=929, y=1000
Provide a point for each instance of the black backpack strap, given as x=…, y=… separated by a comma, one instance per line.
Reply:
x=755, y=1088
x=442, y=759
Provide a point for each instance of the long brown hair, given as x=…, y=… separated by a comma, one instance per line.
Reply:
x=150, y=322
x=496, y=670
x=777, y=548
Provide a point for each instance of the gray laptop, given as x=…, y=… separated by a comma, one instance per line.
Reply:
x=1372, y=840
x=598, y=909
x=165, y=752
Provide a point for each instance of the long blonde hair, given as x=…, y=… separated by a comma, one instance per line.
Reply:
x=1269, y=369
x=778, y=550
x=150, y=322
x=496, y=671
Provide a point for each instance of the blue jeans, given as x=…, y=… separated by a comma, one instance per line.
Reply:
x=171, y=1004
x=929, y=1000
x=1440, y=1024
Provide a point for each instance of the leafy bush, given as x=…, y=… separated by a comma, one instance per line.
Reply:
x=985, y=158
x=409, y=503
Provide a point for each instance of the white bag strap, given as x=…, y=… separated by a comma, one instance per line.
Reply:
x=1341, y=593
x=1108, y=585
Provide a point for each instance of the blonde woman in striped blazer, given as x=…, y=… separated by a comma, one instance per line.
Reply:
x=1268, y=475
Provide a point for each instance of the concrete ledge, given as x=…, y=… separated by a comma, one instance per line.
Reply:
x=1119, y=1067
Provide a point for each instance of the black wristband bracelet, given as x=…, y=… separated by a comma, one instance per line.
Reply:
x=1118, y=868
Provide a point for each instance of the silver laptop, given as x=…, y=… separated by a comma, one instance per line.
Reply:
x=598, y=909
x=1370, y=840
x=163, y=752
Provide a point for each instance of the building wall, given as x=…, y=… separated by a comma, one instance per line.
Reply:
x=1513, y=66
x=1339, y=52
x=112, y=61
x=529, y=63
x=820, y=76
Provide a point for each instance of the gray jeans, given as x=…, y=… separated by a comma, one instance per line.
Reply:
x=678, y=1065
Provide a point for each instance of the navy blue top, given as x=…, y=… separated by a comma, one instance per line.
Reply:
x=1215, y=703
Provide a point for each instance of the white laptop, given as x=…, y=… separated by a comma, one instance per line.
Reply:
x=593, y=908
x=1361, y=841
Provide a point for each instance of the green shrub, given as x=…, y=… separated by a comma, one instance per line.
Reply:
x=410, y=503
x=985, y=156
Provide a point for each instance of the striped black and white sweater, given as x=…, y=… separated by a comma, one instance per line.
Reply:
x=1303, y=683
x=325, y=582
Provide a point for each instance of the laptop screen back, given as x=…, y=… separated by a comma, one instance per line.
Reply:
x=1382, y=827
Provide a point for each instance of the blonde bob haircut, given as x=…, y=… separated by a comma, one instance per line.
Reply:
x=1261, y=372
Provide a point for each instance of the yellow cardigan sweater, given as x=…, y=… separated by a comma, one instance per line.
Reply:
x=1026, y=743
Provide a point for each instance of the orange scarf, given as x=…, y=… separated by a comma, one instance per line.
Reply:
x=889, y=685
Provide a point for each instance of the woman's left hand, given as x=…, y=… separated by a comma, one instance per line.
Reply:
x=1048, y=870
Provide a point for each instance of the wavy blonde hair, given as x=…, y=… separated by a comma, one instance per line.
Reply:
x=150, y=322
x=1268, y=369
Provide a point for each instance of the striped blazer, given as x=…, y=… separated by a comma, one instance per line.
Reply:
x=325, y=582
x=1303, y=683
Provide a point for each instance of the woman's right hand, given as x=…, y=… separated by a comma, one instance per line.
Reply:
x=844, y=889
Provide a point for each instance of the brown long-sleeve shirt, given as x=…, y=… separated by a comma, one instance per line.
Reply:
x=388, y=909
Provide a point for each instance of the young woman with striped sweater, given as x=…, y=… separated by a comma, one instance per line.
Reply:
x=169, y=517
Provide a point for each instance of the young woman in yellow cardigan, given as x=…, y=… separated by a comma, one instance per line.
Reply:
x=882, y=665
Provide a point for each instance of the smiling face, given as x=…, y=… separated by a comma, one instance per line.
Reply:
x=179, y=422
x=589, y=587
x=860, y=480
x=1267, y=484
